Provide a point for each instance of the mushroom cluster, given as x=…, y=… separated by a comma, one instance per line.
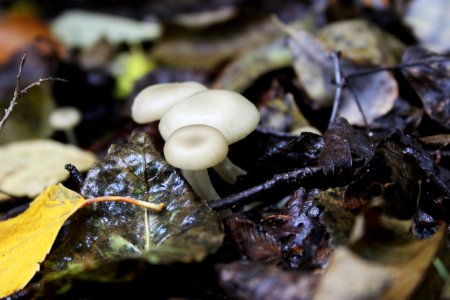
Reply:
x=197, y=124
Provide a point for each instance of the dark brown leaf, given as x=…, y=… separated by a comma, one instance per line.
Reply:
x=245, y=280
x=431, y=80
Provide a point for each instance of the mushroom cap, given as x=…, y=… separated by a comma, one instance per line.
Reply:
x=195, y=147
x=65, y=118
x=229, y=112
x=153, y=101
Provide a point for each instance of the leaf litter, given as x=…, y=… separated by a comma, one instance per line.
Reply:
x=315, y=216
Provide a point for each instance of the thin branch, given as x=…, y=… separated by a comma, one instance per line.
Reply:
x=339, y=80
x=294, y=178
x=18, y=92
x=396, y=67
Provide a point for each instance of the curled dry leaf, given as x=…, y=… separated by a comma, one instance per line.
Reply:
x=30, y=166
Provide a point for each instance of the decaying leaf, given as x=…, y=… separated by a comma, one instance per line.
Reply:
x=431, y=82
x=385, y=261
x=253, y=63
x=26, y=239
x=430, y=23
x=30, y=166
x=186, y=231
x=253, y=241
x=245, y=280
x=361, y=42
x=21, y=31
x=313, y=67
x=82, y=29
x=312, y=62
x=280, y=112
x=213, y=45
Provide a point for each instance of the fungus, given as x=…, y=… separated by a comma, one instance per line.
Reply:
x=66, y=119
x=153, y=102
x=229, y=112
x=194, y=149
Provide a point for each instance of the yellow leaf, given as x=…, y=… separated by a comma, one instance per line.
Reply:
x=26, y=239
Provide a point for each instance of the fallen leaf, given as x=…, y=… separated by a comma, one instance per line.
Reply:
x=384, y=261
x=430, y=80
x=186, y=231
x=214, y=45
x=129, y=67
x=253, y=63
x=82, y=29
x=254, y=280
x=26, y=239
x=361, y=42
x=30, y=166
x=21, y=31
x=280, y=112
x=430, y=23
x=313, y=65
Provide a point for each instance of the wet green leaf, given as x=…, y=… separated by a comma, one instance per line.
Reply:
x=186, y=231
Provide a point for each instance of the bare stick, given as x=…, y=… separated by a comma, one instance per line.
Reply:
x=339, y=80
x=397, y=67
x=296, y=177
x=18, y=92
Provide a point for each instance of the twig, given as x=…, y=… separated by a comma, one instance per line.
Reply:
x=339, y=80
x=18, y=92
x=396, y=67
x=292, y=178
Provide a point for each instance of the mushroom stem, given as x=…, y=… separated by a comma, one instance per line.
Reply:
x=228, y=171
x=71, y=137
x=201, y=183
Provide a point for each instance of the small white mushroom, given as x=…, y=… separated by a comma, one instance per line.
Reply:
x=194, y=149
x=66, y=119
x=153, y=101
x=229, y=112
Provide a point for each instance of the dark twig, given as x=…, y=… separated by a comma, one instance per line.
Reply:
x=339, y=80
x=18, y=92
x=75, y=174
x=396, y=67
x=293, y=178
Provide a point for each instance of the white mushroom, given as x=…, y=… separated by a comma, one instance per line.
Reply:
x=153, y=102
x=229, y=112
x=194, y=149
x=66, y=119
